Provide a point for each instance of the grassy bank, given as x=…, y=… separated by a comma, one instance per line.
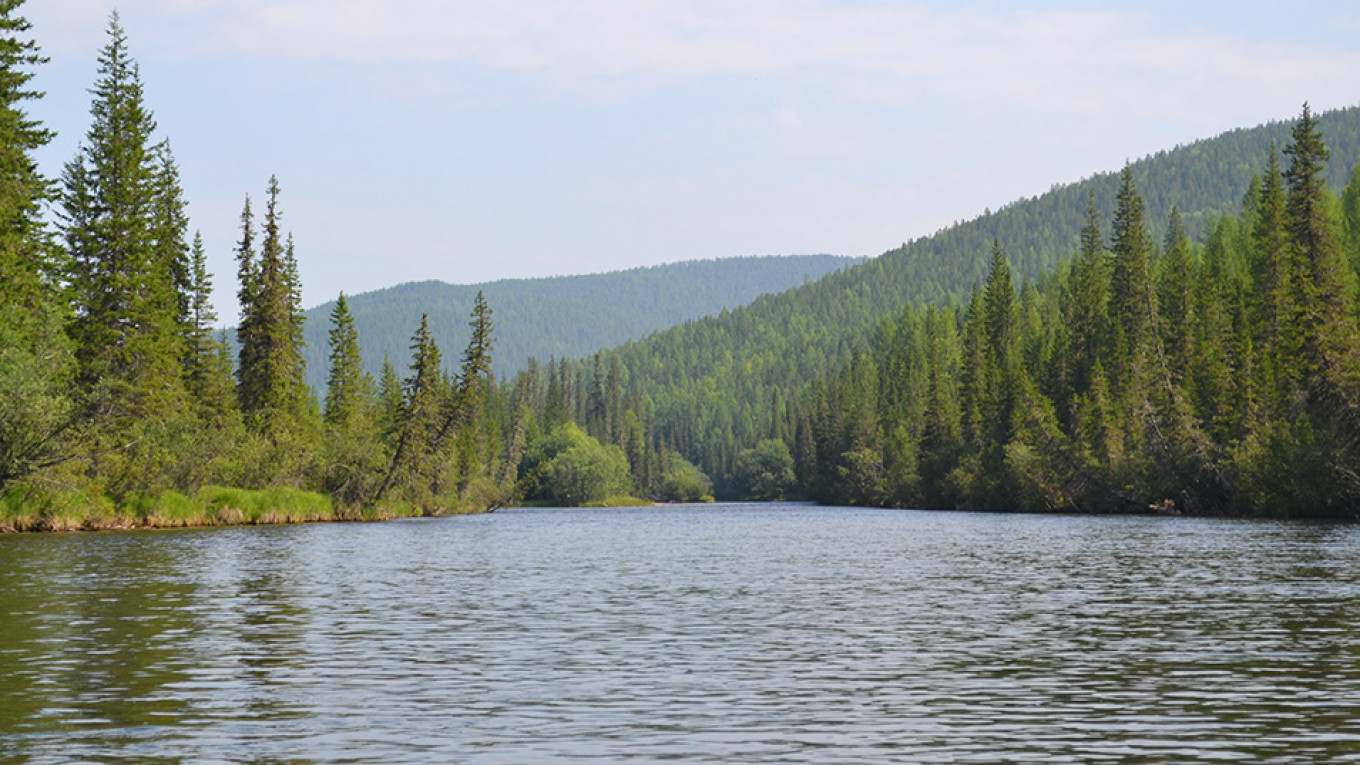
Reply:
x=38, y=510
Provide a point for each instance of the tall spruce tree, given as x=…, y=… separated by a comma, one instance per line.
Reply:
x=270, y=386
x=417, y=465
x=1175, y=292
x=1331, y=339
x=170, y=226
x=1131, y=293
x=1329, y=343
x=1002, y=355
x=36, y=412
x=1088, y=307
x=207, y=361
x=26, y=270
x=127, y=325
x=347, y=386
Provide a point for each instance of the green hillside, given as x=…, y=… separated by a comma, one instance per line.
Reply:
x=722, y=383
x=567, y=316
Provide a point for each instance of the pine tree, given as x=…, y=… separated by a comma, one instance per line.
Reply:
x=126, y=328
x=974, y=388
x=207, y=363
x=36, y=412
x=389, y=401
x=1280, y=333
x=1002, y=356
x=1131, y=295
x=26, y=270
x=1330, y=343
x=468, y=418
x=416, y=463
x=170, y=228
x=613, y=406
x=1176, y=297
x=477, y=356
x=347, y=387
x=270, y=373
x=1331, y=338
x=1088, y=314
x=597, y=420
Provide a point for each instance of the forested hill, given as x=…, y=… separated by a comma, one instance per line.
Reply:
x=715, y=381
x=567, y=316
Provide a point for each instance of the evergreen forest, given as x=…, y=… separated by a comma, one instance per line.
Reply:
x=559, y=317
x=1182, y=336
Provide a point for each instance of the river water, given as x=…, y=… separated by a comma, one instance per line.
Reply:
x=757, y=633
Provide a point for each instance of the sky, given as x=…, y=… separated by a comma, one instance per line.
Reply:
x=469, y=141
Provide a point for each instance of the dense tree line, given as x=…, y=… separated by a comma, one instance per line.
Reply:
x=1198, y=362
x=1213, y=377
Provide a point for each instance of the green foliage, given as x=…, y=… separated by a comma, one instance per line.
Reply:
x=561, y=317
x=569, y=468
x=271, y=390
x=37, y=414
x=765, y=471
x=683, y=482
x=1222, y=374
x=122, y=262
x=349, y=390
x=1233, y=382
x=713, y=382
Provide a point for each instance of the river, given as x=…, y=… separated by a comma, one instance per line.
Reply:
x=724, y=633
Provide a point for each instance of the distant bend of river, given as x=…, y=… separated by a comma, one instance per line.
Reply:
x=747, y=633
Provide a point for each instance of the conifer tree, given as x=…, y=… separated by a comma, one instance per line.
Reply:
x=1176, y=298
x=416, y=462
x=1088, y=313
x=477, y=356
x=36, y=412
x=26, y=270
x=207, y=363
x=126, y=328
x=1329, y=343
x=974, y=389
x=170, y=223
x=1280, y=333
x=346, y=386
x=270, y=373
x=1131, y=295
x=1001, y=358
x=389, y=400
x=1331, y=339
x=597, y=421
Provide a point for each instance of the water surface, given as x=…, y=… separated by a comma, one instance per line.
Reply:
x=698, y=634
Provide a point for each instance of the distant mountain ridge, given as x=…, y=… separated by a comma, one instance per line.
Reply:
x=564, y=316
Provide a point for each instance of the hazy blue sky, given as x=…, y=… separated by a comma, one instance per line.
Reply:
x=471, y=141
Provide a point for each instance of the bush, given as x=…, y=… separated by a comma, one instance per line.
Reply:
x=683, y=482
x=569, y=468
x=765, y=472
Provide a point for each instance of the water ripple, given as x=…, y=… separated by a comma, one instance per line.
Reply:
x=710, y=634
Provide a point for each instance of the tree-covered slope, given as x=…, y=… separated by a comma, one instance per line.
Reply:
x=567, y=316
x=718, y=383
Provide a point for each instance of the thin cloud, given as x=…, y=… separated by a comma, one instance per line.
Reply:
x=1065, y=61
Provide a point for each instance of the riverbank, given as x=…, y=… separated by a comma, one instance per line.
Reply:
x=34, y=510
